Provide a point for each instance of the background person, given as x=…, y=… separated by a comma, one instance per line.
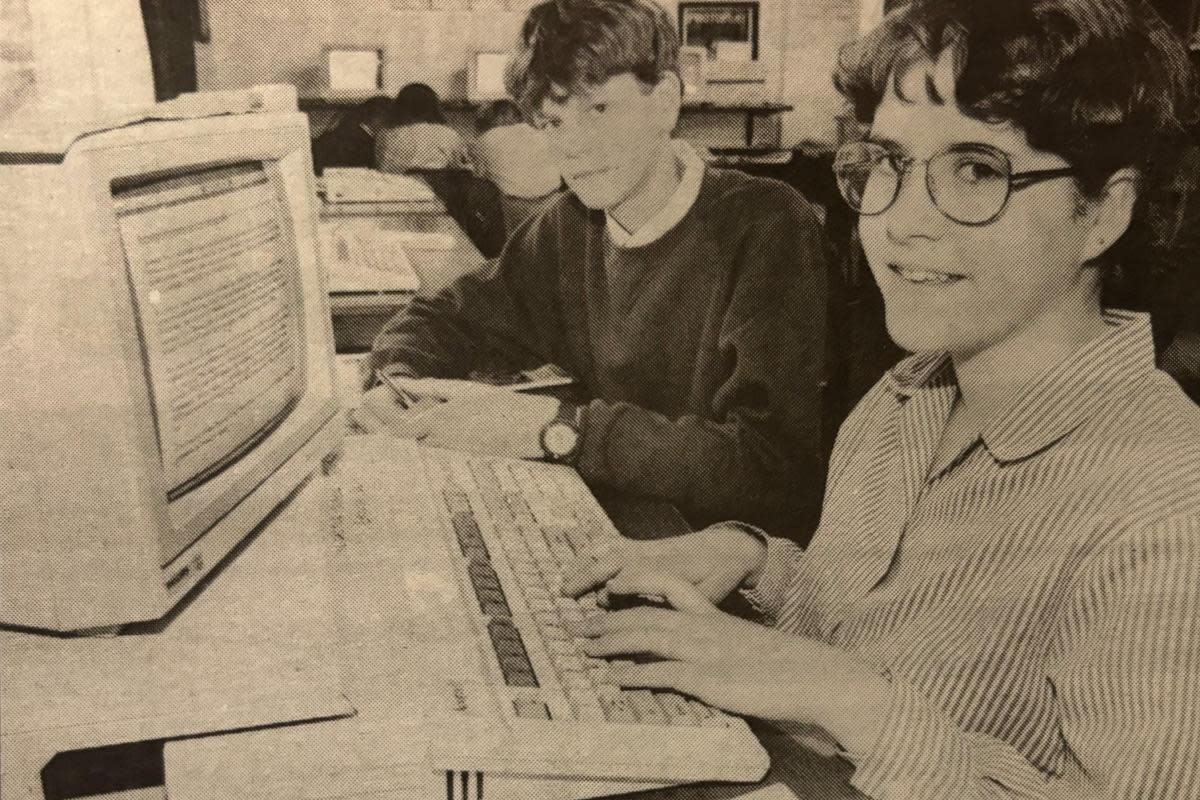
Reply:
x=689, y=302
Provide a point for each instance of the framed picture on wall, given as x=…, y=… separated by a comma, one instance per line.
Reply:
x=729, y=31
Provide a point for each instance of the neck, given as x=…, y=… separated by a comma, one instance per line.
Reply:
x=991, y=379
x=652, y=193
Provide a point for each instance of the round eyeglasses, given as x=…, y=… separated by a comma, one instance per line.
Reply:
x=969, y=183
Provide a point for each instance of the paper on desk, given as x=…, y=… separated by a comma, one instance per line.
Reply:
x=358, y=185
x=361, y=257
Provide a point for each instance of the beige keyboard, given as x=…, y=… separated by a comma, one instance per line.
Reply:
x=506, y=528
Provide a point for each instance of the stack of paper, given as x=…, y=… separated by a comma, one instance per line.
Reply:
x=355, y=185
x=366, y=258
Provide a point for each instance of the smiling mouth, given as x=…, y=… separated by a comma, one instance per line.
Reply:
x=925, y=277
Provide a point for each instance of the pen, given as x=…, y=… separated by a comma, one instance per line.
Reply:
x=404, y=397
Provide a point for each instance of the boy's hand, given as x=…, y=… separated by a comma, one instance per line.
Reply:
x=462, y=415
x=495, y=422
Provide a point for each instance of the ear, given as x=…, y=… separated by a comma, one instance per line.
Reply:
x=1111, y=214
x=668, y=97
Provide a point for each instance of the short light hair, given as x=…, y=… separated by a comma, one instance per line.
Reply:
x=567, y=46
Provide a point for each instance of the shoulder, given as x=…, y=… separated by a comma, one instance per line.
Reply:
x=1152, y=435
x=563, y=224
x=751, y=200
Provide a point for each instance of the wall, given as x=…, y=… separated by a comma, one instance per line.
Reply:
x=815, y=29
x=431, y=40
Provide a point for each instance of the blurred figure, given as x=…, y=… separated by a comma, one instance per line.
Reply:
x=516, y=157
x=514, y=154
x=417, y=136
x=419, y=142
x=351, y=142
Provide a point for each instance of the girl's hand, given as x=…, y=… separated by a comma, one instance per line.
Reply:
x=714, y=561
x=734, y=664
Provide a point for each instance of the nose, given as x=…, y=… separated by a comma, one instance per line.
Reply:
x=570, y=139
x=913, y=214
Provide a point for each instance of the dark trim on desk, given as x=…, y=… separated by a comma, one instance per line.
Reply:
x=312, y=103
x=23, y=159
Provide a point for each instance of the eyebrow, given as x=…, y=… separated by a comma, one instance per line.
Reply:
x=892, y=144
x=883, y=141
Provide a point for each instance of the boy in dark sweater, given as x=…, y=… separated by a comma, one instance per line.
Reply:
x=689, y=302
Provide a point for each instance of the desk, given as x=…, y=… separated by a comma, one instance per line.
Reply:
x=296, y=563
x=358, y=316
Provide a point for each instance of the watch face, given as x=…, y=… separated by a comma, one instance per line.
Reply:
x=561, y=439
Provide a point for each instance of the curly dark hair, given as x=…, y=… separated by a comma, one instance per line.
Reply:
x=1105, y=84
x=571, y=44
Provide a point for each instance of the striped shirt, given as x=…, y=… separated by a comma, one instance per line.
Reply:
x=1035, y=604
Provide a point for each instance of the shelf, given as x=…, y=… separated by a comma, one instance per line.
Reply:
x=751, y=111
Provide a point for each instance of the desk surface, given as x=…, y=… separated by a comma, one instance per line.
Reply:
x=287, y=573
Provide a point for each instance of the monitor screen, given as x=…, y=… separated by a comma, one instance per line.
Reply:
x=219, y=309
x=487, y=77
x=354, y=69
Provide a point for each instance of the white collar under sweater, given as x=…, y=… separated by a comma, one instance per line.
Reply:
x=677, y=207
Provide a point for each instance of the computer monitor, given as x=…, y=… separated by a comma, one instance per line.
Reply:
x=485, y=79
x=166, y=357
x=354, y=69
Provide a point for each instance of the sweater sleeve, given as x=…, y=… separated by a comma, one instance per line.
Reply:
x=760, y=448
x=483, y=320
x=1125, y=666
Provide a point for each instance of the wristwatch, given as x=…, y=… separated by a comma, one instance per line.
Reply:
x=562, y=436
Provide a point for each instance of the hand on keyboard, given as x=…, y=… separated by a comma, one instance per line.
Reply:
x=735, y=664
x=714, y=562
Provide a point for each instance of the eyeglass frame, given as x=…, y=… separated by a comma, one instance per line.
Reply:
x=905, y=164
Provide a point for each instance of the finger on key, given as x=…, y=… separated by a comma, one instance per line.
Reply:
x=592, y=568
x=678, y=593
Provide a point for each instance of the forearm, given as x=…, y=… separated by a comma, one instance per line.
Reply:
x=476, y=324
x=429, y=339
x=711, y=470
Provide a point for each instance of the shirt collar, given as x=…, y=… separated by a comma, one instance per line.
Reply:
x=677, y=207
x=1060, y=399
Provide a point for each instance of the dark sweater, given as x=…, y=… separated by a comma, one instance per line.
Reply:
x=701, y=352
x=344, y=145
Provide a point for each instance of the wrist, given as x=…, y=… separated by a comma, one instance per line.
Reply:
x=561, y=437
x=858, y=706
x=749, y=548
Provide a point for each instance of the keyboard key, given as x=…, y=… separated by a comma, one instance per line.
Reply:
x=530, y=708
x=581, y=537
x=645, y=706
x=456, y=502
x=515, y=675
x=514, y=662
x=468, y=533
x=487, y=589
x=677, y=709
x=616, y=708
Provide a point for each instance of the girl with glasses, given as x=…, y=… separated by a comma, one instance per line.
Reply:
x=1001, y=598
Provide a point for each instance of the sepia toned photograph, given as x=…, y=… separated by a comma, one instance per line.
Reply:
x=570, y=399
